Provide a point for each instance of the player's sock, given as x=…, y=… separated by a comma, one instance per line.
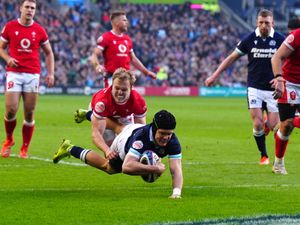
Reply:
x=296, y=122
x=280, y=144
x=88, y=115
x=260, y=139
x=27, y=132
x=79, y=153
x=10, y=126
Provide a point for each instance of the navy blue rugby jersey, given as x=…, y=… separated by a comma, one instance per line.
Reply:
x=142, y=139
x=260, y=52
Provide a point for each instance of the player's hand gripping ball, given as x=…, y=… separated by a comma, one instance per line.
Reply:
x=149, y=158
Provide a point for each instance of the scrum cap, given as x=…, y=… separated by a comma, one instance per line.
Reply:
x=164, y=120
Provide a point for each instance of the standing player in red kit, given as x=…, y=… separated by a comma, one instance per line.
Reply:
x=117, y=49
x=286, y=69
x=23, y=37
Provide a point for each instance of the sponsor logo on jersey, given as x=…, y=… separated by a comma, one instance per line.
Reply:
x=137, y=145
x=122, y=48
x=263, y=52
x=99, y=107
x=25, y=43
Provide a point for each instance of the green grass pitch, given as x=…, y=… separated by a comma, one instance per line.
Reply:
x=222, y=177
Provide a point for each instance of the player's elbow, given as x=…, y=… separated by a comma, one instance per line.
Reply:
x=126, y=169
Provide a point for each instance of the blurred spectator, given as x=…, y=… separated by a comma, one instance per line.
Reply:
x=190, y=43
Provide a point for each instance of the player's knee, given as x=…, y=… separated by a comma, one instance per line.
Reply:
x=287, y=126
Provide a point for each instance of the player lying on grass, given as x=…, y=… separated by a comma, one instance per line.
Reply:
x=115, y=106
x=130, y=144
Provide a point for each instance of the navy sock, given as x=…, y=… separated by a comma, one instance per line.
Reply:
x=79, y=153
x=261, y=144
x=88, y=115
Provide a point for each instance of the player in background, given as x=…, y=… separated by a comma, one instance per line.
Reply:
x=116, y=48
x=130, y=144
x=19, y=47
x=260, y=46
x=286, y=69
x=114, y=107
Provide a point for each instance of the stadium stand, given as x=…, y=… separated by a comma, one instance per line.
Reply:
x=187, y=44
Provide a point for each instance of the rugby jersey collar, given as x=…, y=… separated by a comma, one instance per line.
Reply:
x=19, y=21
x=270, y=35
x=118, y=35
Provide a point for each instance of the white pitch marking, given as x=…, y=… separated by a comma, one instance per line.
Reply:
x=158, y=188
x=50, y=160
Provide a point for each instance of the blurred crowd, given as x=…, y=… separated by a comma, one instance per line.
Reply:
x=181, y=44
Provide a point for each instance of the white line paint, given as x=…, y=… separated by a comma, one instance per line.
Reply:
x=150, y=188
x=184, y=162
x=50, y=160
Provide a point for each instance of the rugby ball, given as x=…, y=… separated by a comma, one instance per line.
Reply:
x=149, y=158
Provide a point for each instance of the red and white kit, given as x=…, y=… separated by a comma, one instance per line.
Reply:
x=103, y=105
x=116, y=51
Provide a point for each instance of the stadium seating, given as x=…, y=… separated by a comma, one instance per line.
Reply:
x=187, y=43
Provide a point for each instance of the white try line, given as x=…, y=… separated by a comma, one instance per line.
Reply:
x=48, y=160
x=184, y=162
x=151, y=188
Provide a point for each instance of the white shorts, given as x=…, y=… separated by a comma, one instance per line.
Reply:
x=291, y=94
x=256, y=97
x=118, y=144
x=22, y=82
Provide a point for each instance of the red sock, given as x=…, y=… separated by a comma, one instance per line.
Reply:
x=27, y=132
x=280, y=146
x=296, y=121
x=9, y=128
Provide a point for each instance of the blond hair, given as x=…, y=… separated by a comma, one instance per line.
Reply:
x=124, y=75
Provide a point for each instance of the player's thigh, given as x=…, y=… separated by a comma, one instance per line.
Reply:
x=257, y=117
x=29, y=101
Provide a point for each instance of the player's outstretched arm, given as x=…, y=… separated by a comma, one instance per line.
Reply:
x=177, y=177
x=223, y=66
x=98, y=127
x=139, y=65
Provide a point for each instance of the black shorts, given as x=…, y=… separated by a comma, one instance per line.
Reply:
x=116, y=164
x=287, y=111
